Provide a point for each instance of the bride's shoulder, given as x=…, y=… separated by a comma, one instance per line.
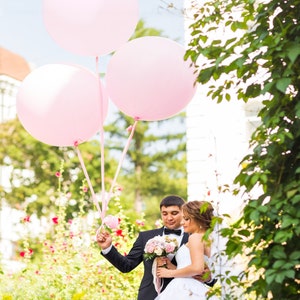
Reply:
x=196, y=237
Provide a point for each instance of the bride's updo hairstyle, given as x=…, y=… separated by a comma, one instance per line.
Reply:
x=200, y=211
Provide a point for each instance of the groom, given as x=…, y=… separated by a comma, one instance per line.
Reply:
x=171, y=214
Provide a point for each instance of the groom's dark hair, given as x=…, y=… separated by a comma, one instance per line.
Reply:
x=172, y=200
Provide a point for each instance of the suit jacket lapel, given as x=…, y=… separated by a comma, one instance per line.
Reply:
x=184, y=239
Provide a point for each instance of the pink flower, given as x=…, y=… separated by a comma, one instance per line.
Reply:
x=26, y=219
x=140, y=222
x=58, y=174
x=157, y=223
x=111, y=222
x=129, y=128
x=170, y=247
x=160, y=246
x=85, y=189
x=119, y=188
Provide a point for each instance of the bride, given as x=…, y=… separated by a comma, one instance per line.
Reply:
x=191, y=257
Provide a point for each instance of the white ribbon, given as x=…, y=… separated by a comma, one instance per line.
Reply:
x=158, y=282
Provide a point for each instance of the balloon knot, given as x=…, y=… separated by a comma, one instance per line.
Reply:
x=76, y=143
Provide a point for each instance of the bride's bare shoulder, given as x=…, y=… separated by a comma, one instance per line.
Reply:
x=196, y=237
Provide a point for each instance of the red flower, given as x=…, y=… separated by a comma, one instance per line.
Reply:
x=23, y=253
x=119, y=232
x=55, y=220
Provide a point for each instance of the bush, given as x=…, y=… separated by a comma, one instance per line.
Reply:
x=66, y=263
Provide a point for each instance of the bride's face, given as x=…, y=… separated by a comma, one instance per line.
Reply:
x=189, y=225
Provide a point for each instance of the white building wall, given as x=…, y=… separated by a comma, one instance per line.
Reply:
x=217, y=133
x=218, y=137
x=9, y=217
x=217, y=140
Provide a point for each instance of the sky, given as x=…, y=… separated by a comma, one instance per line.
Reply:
x=23, y=32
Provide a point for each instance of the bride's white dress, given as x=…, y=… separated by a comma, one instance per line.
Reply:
x=184, y=288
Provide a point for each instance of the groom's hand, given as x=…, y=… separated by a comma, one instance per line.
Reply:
x=104, y=239
x=162, y=261
x=205, y=276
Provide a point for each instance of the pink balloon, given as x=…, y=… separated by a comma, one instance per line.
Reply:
x=148, y=79
x=90, y=27
x=61, y=104
x=111, y=221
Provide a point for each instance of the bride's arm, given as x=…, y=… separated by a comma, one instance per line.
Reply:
x=196, y=247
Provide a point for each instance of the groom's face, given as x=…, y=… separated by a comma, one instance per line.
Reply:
x=171, y=216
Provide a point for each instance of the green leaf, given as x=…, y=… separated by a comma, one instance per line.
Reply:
x=270, y=275
x=280, y=236
x=282, y=84
x=293, y=51
x=205, y=75
x=255, y=215
x=287, y=222
x=295, y=199
x=244, y=232
x=278, y=264
x=295, y=255
x=280, y=277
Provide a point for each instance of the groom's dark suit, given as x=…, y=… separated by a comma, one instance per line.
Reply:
x=135, y=256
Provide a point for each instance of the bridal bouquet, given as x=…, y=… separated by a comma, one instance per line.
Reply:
x=160, y=246
x=157, y=247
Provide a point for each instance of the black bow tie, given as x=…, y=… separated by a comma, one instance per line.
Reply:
x=172, y=231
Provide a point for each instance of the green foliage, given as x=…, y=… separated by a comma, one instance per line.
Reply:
x=260, y=59
x=35, y=164
x=155, y=160
x=66, y=262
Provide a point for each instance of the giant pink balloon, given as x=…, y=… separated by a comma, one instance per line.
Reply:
x=148, y=79
x=62, y=104
x=90, y=27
